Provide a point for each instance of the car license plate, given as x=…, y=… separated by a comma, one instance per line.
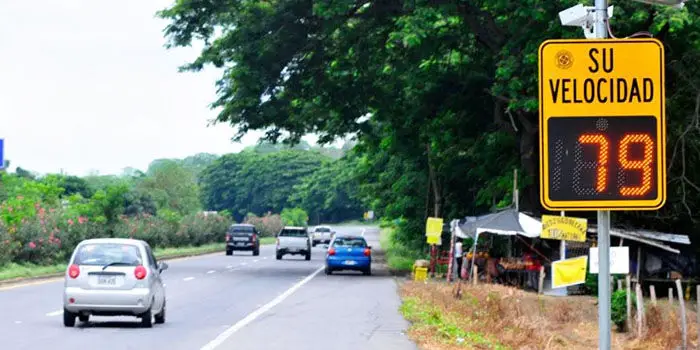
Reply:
x=350, y=262
x=240, y=243
x=107, y=280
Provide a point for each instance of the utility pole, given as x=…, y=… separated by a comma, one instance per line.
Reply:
x=604, y=317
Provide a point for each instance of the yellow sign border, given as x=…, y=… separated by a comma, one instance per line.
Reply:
x=591, y=205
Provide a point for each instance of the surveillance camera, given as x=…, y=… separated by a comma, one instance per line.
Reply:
x=581, y=16
x=574, y=16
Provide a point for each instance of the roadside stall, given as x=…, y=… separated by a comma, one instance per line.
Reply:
x=520, y=256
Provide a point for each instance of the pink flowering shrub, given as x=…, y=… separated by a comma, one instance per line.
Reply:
x=268, y=225
x=151, y=229
x=198, y=229
x=32, y=232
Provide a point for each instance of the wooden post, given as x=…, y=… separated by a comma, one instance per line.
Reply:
x=619, y=284
x=639, y=261
x=629, y=301
x=670, y=296
x=652, y=292
x=475, y=275
x=640, y=309
x=684, y=323
x=540, y=286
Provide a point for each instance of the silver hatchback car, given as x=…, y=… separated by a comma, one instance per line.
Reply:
x=114, y=277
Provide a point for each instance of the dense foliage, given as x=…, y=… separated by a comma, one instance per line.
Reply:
x=442, y=95
x=170, y=204
x=259, y=181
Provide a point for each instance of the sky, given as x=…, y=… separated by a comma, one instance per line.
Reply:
x=87, y=86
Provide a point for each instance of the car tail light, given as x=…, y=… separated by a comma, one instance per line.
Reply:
x=228, y=237
x=367, y=252
x=140, y=272
x=74, y=271
x=278, y=242
x=252, y=238
x=331, y=251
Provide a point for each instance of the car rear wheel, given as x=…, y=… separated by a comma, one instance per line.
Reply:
x=84, y=318
x=256, y=252
x=367, y=271
x=229, y=252
x=147, y=319
x=160, y=317
x=68, y=318
x=308, y=256
x=279, y=256
x=329, y=271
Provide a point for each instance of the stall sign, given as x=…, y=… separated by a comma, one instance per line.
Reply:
x=569, y=272
x=619, y=260
x=564, y=228
x=433, y=230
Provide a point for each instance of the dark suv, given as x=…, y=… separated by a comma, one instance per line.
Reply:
x=242, y=237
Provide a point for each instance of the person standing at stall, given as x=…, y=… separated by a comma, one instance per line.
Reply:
x=459, y=255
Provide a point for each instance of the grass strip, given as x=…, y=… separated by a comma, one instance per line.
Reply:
x=16, y=272
x=428, y=321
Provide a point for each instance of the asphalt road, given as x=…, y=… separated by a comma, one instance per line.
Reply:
x=228, y=302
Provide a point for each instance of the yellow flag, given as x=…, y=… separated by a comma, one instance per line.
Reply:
x=569, y=272
x=433, y=227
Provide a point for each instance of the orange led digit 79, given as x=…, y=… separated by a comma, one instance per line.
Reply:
x=602, y=169
x=643, y=165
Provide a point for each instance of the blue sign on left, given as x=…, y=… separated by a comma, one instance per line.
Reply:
x=2, y=153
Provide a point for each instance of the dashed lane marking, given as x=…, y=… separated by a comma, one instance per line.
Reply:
x=255, y=314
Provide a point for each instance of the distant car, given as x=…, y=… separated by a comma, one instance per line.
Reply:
x=114, y=277
x=295, y=241
x=349, y=253
x=242, y=237
x=322, y=235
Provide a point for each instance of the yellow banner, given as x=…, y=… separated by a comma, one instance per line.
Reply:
x=569, y=272
x=433, y=227
x=433, y=230
x=564, y=228
x=432, y=239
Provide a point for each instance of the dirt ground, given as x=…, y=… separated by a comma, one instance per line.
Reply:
x=523, y=320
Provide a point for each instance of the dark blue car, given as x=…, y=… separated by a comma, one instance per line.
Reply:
x=349, y=253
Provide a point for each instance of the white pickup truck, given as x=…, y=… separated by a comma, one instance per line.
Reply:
x=295, y=241
x=322, y=234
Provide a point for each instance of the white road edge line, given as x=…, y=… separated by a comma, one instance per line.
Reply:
x=255, y=314
x=188, y=279
x=55, y=313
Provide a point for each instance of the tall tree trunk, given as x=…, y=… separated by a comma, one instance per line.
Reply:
x=529, y=155
x=437, y=195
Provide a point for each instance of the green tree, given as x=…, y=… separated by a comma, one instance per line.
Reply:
x=442, y=95
x=249, y=182
x=330, y=193
x=172, y=186
x=294, y=217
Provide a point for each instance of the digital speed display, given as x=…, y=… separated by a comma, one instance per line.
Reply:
x=593, y=158
x=602, y=124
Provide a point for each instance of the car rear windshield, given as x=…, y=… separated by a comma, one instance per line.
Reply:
x=354, y=242
x=108, y=253
x=293, y=233
x=323, y=229
x=241, y=229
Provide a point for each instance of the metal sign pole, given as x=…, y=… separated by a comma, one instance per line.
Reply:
x=604, y=317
